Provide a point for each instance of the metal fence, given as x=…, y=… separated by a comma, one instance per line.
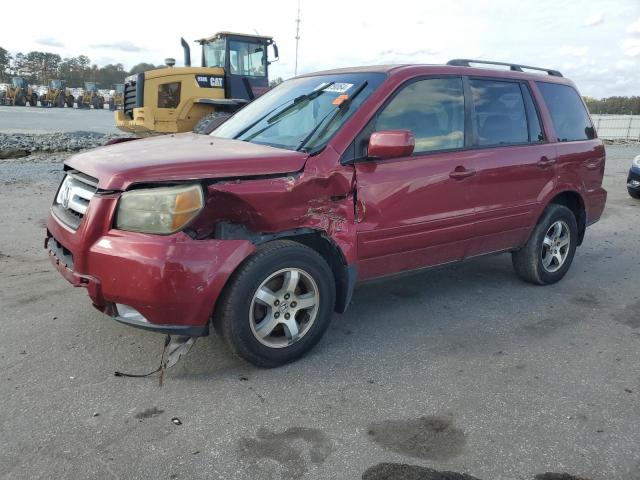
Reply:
x=618, y=128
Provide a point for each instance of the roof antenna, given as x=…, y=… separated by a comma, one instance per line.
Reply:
x=297, y=37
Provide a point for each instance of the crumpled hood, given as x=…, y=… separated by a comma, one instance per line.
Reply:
x=180, y=157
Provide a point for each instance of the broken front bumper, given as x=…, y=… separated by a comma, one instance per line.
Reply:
x=167, y=284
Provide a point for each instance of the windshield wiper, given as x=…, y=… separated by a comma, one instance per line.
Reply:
x=296, y=101
x=343, y=105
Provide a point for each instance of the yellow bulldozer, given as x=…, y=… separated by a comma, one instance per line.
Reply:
x=18, y=93
x=56, y=95
x=116, y=101
x=90, y=97
x=233, y=71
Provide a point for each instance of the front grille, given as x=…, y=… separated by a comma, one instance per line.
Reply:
x=73, y=197
x=129, y=98
x=133, y=94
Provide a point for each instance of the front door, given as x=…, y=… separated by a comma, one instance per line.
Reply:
x=415, y=211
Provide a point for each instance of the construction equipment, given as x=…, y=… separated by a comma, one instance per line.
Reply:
x=116, y=101
x=18, y=93
x=57, y=95
x=90, y=97
x=234, y=71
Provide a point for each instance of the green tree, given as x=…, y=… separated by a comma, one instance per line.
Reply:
x=42, y=66
x=5, y=63
x=275, y=82
x=142, y=67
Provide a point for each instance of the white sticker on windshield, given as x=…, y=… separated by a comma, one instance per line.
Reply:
x=339, y=87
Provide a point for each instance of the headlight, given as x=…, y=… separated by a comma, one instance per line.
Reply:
x=636, y=162
x=161, y=210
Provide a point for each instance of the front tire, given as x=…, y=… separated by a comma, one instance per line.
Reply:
x=547, y=255
x=633, y=193
x=277, y=305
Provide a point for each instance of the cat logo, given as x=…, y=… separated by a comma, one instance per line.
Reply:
x=210, y=81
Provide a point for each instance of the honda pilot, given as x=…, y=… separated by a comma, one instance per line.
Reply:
x=263, y=229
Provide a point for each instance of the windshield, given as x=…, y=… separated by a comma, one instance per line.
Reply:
x=214, y=53
x=119, y=87
x=17, y=81
x=56, y=84
x=90, y=86
x=302, y=113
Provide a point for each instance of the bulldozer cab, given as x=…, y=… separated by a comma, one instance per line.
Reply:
x=244, y=59
x=56, y=84
x=18, y=82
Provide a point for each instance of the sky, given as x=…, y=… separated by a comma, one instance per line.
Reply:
x=595, y=43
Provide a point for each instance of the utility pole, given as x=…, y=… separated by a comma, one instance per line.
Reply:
x=295, y=70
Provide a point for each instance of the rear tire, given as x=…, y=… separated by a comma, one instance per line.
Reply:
x=60, y=100
x=20, y=101
x=547, y=255
x=69, y=101
x=297, y=311
x=633, y=193
x=33, y=101
x=209, y=123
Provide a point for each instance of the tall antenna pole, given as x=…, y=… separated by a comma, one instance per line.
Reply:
x=295, y=70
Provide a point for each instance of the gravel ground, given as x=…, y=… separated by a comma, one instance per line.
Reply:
x=54, y=142
x=464, y=369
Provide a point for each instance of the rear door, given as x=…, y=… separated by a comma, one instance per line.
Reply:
x=581, y=156
x=415, y=211
x=516, y=165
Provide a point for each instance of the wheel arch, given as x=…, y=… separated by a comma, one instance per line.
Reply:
x=344, y=275
x=574, y=202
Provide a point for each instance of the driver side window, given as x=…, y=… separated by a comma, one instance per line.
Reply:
x=433, y=109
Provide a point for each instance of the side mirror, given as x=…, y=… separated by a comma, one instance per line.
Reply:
x=391, y=144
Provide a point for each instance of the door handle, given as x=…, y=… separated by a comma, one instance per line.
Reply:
x=545, y=162
x=461, y=172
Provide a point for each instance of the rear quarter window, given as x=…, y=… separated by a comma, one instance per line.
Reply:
x=569, y=116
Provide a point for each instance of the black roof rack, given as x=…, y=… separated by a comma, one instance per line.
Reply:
x=463, y=62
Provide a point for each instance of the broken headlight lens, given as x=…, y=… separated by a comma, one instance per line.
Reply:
x=161, y=210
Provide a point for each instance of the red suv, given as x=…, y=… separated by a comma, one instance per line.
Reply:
x=263, y=228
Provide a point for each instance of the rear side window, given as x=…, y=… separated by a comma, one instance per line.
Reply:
x=568, y=114
x=501, y=117
x=433, y=109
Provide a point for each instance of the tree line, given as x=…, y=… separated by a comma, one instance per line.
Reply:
x=37, y=68
x=614, y=105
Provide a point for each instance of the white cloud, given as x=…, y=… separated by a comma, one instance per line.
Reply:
x=50, y=42
x=593, y=20
x=573, y=51
x=634, y=27
x=544, y=33
x=631, y=47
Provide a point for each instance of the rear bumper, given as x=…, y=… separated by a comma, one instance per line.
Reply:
x=595, y=202
x=167, y=284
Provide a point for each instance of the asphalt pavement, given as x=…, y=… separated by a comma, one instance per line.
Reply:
x=464, y=369
x=53, y=120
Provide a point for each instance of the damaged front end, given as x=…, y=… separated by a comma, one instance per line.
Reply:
x=314, y=206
